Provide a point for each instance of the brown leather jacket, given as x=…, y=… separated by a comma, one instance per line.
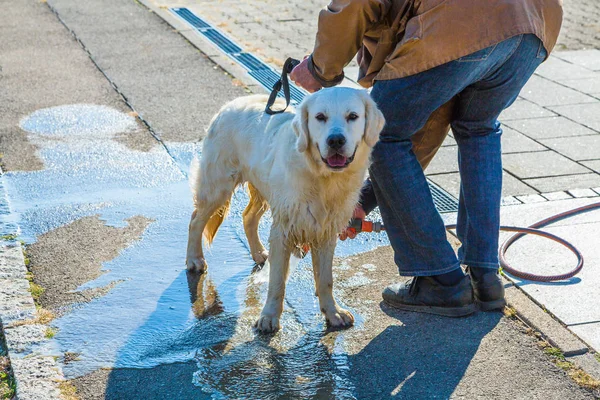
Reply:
x=398, y=38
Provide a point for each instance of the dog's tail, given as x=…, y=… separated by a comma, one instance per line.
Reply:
x=214, y=222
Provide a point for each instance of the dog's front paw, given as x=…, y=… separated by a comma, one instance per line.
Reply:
x=268, y=323
x=260, y=257
x=339, y=318
x=196, y=264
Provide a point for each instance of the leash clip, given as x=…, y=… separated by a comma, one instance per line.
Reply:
x=284, y=84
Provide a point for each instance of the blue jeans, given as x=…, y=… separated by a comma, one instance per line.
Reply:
x=486, y=82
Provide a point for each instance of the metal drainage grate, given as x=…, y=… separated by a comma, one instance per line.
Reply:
x=267, y=76
x=444, y=201
x=221, y=41
x=263, y=73
x=250, y=62
x=191, y=18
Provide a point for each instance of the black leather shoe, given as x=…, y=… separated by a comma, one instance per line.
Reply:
x=488, y=289
x=425, y=294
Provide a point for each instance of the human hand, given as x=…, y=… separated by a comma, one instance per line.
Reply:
x=358, y=213
x=303, y=78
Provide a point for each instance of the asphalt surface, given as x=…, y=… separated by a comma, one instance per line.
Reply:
x=106, y=212
x=176, y=88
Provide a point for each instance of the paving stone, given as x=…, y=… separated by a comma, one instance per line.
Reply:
x=510, y=201
x=580, y=27
x=547, y=128
x=449, y=141
x=351, y=73
x=540, y=164
x=539, y=255
x=515, y=142
x=594, y=165
x=589, y=59
x=528, y=214
x=557, y=195
x=557, y=69
x=580, y=193
x=531, y=198
x=576, y=148
x=511, y=186
x=586, y=85
x=588, y=332
x=449, y=182
x=522, y=109
x=544, y=92
x=585, y=114
x=555, y=183
x=445, y=160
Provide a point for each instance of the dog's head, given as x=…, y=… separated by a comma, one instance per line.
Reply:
x=334, y=124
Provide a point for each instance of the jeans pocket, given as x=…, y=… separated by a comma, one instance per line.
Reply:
x=542, y=53
x=480, y=55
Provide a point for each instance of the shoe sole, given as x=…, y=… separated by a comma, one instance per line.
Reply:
x=494, y=305
x=453, y=312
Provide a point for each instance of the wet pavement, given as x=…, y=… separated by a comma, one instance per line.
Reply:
x=155, y=312
x=102, y=202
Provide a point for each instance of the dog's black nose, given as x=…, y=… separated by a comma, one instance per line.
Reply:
x=336, y=141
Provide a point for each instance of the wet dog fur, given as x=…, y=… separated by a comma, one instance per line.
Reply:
x=306, y=165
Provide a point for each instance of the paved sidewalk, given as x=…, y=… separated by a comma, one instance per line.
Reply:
x=581, y=25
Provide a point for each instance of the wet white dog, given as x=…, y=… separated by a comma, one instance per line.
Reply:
x=307, y=166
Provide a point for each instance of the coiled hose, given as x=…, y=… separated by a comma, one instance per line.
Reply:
x=367, y=226
x=533, y=229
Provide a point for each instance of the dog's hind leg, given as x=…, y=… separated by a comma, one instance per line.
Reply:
x=322, y=258
x=252, y=214
x=278, y=274
x=210, y=211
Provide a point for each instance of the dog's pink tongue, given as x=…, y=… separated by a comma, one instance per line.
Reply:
x=336, y=160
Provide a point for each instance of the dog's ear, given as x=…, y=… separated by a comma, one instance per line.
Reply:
x=374, y=120
x=300, y=126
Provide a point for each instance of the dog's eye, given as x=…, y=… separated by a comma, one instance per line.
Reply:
x=352, y=116
x=321, y=117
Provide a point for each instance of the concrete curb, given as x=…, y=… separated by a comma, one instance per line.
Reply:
x=37, y=374
x=558, y=335
x=536, y=317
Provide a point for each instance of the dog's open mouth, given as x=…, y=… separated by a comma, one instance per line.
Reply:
x=338, y=161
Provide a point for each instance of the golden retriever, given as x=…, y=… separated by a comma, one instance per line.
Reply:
x=307, y=166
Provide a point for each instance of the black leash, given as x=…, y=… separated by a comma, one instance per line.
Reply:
x=283, y=82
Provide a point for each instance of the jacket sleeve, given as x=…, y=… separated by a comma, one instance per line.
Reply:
x=342, y=25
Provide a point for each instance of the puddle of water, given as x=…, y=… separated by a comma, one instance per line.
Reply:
x=78, y=120
x=159, y=313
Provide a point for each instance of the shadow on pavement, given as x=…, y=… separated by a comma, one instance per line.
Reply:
x=175, y=381
x=426, y=357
